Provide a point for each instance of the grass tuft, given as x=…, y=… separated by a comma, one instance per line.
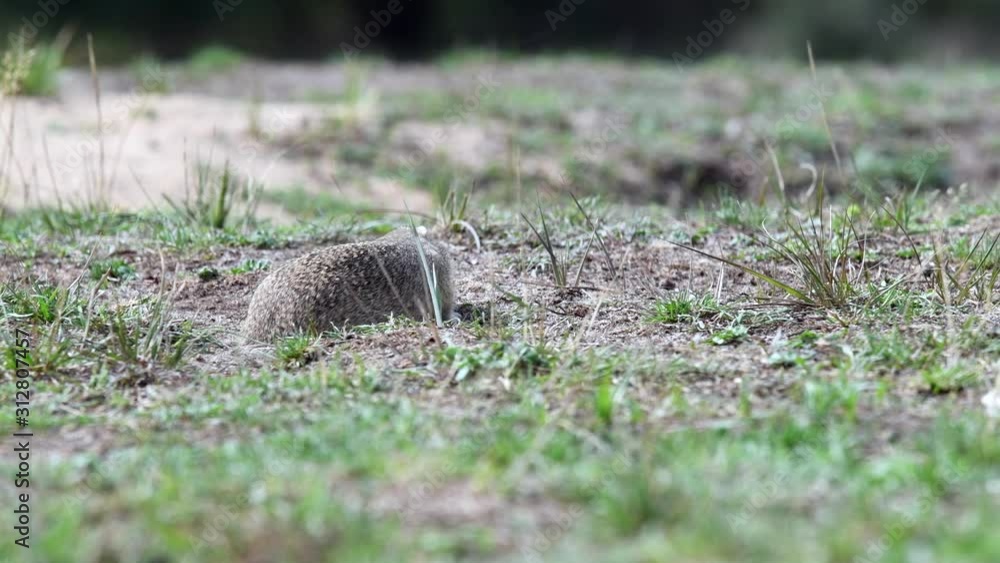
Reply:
x=731, y=335
x=943, y=379
x=216, y=198
x=145, y=332
x=245, y=267
x=116, y=269
x=829, y=253
x=557, y=265
x=34, y=71
x=296, y=351
x=683, y=308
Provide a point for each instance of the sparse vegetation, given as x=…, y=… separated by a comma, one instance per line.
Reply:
x=116, y=270
x=683, y=308
x=208, y=273
x=214, y=59
x=301, y=203
x=296, y=351
x=216, y=197
x=250, y=265
x=151, y=75
x=730, y=335
x=557, y=263
x=33, y=70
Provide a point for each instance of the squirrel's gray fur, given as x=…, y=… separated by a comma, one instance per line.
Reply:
x=351, y=284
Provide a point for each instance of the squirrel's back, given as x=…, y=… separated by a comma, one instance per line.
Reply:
x=351, y=284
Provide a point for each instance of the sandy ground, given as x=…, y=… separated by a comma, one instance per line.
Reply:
x=150, y=143
x=272, y=122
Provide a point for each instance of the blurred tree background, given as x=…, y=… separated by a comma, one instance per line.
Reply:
x=315, y=29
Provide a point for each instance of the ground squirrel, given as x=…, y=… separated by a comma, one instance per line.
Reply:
x=351, y=284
